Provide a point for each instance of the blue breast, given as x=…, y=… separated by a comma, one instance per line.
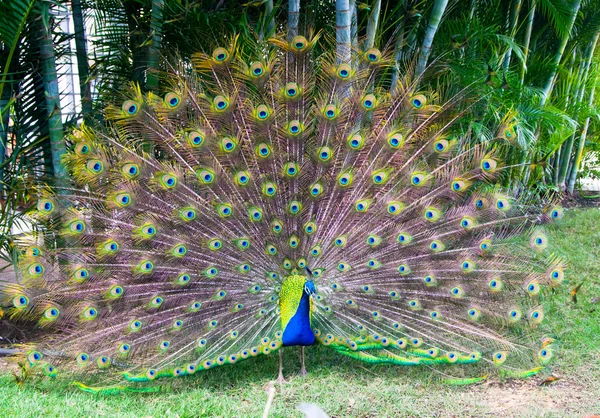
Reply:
x=298, y=331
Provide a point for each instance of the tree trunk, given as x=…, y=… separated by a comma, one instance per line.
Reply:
x=5, y=112
x=549, y=84
x=55, y=126
x=583, y=136
x=342, y=31
x=136, y=39
x=372, y=25
x=512, y=29
x=354, y=27
x=398, y=51
x=556, y=166
x=293, y=18
x=156, y=24
x=439, y=7
x=527, y=40
x=269, y=19
x=582, y=77
x=83, y=66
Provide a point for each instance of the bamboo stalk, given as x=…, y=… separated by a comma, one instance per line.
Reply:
x=549, y=84
x=54, y=121
x=83, y=67
x=512, y=29
x=354, y=26
x=156, y=24
x=293, y=18
x=582, y=79
x=342, y=31
x=581, y=144
x=439, y=7
x=372, y=25
x=527, y=40
x=270, y=19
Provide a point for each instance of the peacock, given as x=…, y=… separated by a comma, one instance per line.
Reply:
x=273, y=195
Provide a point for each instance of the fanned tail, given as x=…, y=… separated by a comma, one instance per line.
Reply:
x=267, y=159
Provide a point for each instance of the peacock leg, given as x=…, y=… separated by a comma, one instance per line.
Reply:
x=303, y=368
x=280, y=378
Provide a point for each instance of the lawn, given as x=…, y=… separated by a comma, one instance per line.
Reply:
x=347, y=388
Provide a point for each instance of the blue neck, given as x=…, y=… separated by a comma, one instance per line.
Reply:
x=298, y=331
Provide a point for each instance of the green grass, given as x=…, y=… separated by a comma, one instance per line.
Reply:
x=347, y=388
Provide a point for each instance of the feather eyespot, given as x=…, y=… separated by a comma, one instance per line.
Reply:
x=356, y=142
x=395, y=140
x=432, y=214
x=220, y=55
x=276, y=226
x=394, y=208
x=369, y=102
x=488, y=165
x=379, y=177
x=556, y=213
x=263, y=150
x=20, y=301
x=130, y=108
x=344, y=71
x=345, y=179
x=324, y=154
x=404, y=239
x=430, y=280
x=81, y=274
x=316, y=189
x=299, y=43
x=418, y=179
x=228, y=144
x=295, y=128
x=51, y=313
x=404, y=269
x=362, y=205
x=195, y=138
x=372, y=56
x=294, y=207
x=440, y=146
x=36, y=269
x=495, y=285
x=291, y=169
x=211, y=272
x=172, y=100
x=514, y=315
x=187, y=214
x=95, y=166
x=269, y=189
x=499, y=357
x=340, y=241
x=271, y=249
x=418, y=101
x=145, y=267
x=257, y=70
x=291, y=91
x=45, y=206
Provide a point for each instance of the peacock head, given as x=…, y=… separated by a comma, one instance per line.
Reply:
x=309, y=287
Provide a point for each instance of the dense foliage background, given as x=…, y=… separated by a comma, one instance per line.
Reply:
x=532, y=63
